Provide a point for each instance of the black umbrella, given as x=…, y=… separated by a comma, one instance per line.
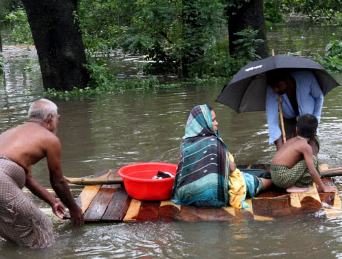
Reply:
x=247, y=90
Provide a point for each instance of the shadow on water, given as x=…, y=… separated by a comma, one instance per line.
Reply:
x=113, y=131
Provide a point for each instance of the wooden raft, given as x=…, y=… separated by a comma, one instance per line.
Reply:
x=110, y=203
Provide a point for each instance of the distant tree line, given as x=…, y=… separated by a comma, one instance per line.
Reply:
x=189, y=38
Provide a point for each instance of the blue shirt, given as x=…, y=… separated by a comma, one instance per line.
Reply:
x=309, y=98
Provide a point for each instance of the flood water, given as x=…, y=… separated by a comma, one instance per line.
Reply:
x=113, y=131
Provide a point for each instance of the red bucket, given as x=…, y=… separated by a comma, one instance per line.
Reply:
x=140, y=185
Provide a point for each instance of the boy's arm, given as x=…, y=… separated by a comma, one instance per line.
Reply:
x=307, y=152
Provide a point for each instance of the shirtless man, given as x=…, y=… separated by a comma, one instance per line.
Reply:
x=294, y=166
x=20, y=147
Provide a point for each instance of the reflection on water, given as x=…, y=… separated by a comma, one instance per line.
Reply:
x=313, y=238
x=112, y=131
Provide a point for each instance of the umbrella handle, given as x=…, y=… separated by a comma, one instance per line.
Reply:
x=281, y=120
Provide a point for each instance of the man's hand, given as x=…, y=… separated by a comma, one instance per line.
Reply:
x=77, y=218
x=59, y=209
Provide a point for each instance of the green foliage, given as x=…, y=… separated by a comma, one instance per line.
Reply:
x=2, y=65
x=217, y=62
x=246, y=46
x=101, y=24
x=116, y=86
x=7, y=6
x=171, y=35
x=138, y=84
x=167, y=33
x=333, y=57
x=273, y=10
x=21, y=31
x=317, y=10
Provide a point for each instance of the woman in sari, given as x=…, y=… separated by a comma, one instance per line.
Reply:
x=206, y=174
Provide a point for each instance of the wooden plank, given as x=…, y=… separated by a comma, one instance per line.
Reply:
x=189, y=213
x=295, y=200
x=310, y=201
x=169, y=202
x=273, y=207
x=86, y=197
x=168, y=211
x=149, y=211
x=243, y=214
x=103, y=174
x=113, y=174
x=89, y=192
x=133, y=211
x=230, y=210
x=214, y=214
x=272, y=192
x=99, y=204
x=331, y=201
x=257, y=217
x=117, y=207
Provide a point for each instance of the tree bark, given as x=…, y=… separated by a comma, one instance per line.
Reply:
x=59, y=44
x=251, y=15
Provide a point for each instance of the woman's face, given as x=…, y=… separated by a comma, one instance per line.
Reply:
x=214, y=121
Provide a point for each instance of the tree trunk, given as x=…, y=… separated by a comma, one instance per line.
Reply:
x=59, y=44
x=0, y=43
x=251, y=15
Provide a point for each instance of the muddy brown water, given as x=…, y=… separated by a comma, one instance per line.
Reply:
x=113, y=131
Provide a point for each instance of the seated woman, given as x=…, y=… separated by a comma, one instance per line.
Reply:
x=206, y=174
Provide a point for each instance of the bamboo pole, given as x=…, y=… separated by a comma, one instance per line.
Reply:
x=93, y=181
x=98, y=181
x=332, y=172
x=281, y=120
x=281, y=114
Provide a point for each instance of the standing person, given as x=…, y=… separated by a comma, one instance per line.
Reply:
x=206, y=174
x=20, y=147
x=300, y=93
x=294, y=167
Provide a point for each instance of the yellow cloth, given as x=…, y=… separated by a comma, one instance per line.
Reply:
x=237, y=187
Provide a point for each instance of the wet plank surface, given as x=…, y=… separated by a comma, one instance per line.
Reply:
x=111, y=203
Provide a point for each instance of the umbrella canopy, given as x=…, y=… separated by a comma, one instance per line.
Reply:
x=247, y=90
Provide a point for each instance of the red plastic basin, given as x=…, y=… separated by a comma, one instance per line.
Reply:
x=140, y=185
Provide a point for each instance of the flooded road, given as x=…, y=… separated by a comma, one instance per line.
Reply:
x=113, y=131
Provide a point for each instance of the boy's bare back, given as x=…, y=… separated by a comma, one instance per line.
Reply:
x=292, y=152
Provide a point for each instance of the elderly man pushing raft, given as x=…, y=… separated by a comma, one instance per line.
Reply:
x=20, y=147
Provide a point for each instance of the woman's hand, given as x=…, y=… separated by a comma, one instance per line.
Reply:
x=232, y=166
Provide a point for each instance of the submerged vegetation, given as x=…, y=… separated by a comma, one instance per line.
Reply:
x=134, y=84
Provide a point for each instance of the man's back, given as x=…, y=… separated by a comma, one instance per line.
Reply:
x=27, y=144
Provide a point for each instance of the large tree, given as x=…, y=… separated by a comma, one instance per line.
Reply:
x=58, y=41
x=247, y=14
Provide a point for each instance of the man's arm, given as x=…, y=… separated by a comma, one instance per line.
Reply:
x=272, y=115
x=42, y=193
x=59, y=184
x=279, y=143
x=317, y=94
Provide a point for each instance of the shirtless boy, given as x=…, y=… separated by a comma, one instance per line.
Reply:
x=294, y=167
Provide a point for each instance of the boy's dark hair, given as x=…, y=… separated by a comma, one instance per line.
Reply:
x=307, y=125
